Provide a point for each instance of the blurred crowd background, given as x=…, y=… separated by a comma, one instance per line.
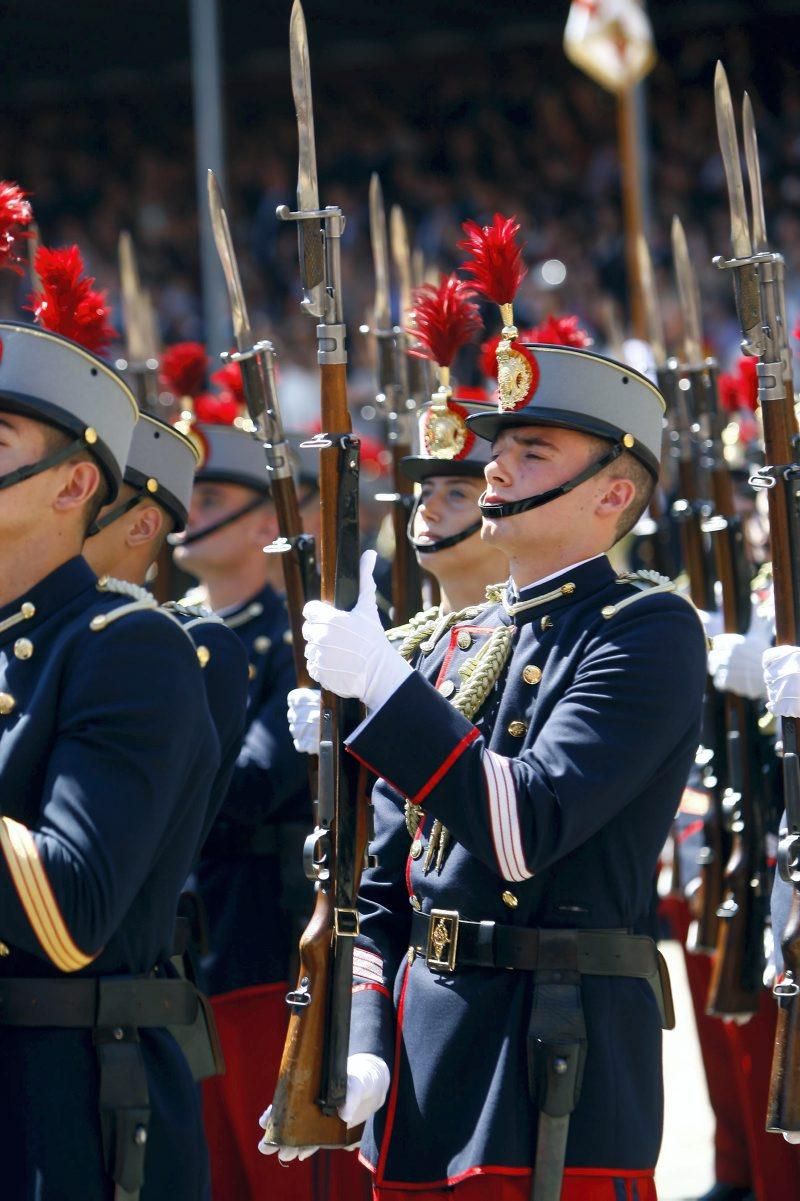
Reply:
x=456, y=128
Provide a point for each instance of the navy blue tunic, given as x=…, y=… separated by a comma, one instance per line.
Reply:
x=250, y=873
x=107, y=750
x=558, y=799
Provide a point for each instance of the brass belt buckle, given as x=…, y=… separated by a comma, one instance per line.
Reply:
x=440, y=954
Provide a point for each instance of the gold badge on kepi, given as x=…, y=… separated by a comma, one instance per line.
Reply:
x=445, y=431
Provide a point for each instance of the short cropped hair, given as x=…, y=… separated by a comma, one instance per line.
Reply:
x=628, y=467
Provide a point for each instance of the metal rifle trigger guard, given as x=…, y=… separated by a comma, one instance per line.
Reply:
x=763, y=478
x=316, y=850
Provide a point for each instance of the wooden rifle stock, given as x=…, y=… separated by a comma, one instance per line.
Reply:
x=783, y=1104
x=309, y=1085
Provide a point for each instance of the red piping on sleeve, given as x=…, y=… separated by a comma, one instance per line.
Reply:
x=456, y=753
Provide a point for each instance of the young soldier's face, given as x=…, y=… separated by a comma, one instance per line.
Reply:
x=247, y=535
x=447, y=506
x=24, y=441
x=531, y=459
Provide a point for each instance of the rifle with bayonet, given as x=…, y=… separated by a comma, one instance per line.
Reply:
x=661, y=557
x=738, y=965
x=141, y=347
x=313, y=1075
x=417, y=372
x=703, y=893
x=758, y=287
x=397, y=408
x=257, y=363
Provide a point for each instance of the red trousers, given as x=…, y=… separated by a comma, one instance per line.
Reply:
x=252, y=1026
x=737, y=1062
x=579, y=1185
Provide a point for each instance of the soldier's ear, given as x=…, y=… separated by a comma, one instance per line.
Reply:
x=147, y=524
x=616, y=495
x=79, y=481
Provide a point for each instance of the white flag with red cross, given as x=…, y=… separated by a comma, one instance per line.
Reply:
x=611, y=40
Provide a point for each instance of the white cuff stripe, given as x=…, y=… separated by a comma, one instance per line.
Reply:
x=504, y=817
x=363, y=974
x=368, y=960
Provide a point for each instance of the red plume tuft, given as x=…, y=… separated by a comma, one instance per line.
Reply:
x=443, y=318
x=229, y=381
x=183, y=369
x=495, y=264
x=739, y=391
x=559, y=331
x=16, y=215
x=217, y=410
x=67, y=303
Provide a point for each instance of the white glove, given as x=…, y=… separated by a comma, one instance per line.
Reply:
x=734, y=661
x=348, y=652
x=303, y=716
x=367, y=1085
x=712, y=622
x=782, y=680
x=792, y=1138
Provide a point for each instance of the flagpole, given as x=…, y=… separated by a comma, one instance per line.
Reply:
x=632, y=187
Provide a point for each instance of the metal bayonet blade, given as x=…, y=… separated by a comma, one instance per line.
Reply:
x=729, y=146
x=655, y=329
x=135, y=333
x=312, y=249
x=401, y=256
x=689, y=296
x=754, y=175
x=307, y=187
x=230, y=267
x=382, y=317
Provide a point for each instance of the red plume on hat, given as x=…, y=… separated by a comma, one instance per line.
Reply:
x=227, y=405
x=183, y=369
x=443, y=318
x=497, y=270
x=738, y=391
x=560, y=331
x=495, y=262
x=67, y=303
x=16, y=215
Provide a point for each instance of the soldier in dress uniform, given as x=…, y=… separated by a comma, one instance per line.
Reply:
x=106, y=751
x=125, y=542
x=265, y=813
x=444, y=529
x=530, y=771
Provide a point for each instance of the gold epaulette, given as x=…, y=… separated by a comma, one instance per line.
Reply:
x=182, y=609
x=141, y=601
x=399, y=633
x=646, y=583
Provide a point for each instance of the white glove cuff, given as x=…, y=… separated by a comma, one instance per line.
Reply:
x=368, y=1081
x=392, y=671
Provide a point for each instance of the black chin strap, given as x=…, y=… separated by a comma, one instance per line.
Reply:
x=430, y=548
x=53, y=460
x=187, y=539
x=117, y=512
x=512, y=507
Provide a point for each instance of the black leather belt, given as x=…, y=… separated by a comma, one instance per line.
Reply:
x=447, y=942
x=103, y=1001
